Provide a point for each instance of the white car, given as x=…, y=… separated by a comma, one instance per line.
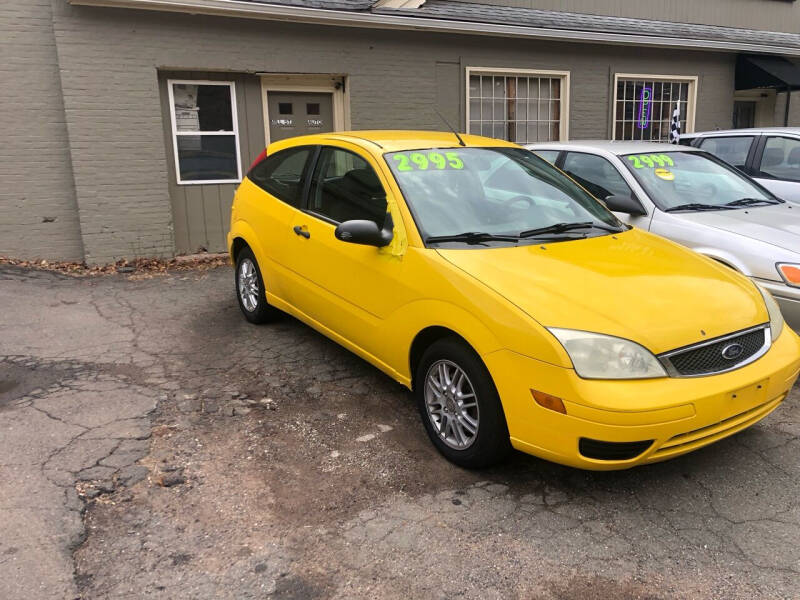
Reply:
x=770, y=155
x=697, y=200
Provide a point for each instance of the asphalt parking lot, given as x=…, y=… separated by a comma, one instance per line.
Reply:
x=154, y=444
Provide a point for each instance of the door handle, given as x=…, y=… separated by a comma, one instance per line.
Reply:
x=300, y=231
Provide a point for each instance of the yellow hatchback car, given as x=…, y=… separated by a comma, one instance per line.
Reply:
x=519, y=311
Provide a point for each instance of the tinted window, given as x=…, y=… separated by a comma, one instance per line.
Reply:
x=781, y=158
x=733, y=150
x=345, y=187
x=549, y=155
x=596, y=174
x=281, y=174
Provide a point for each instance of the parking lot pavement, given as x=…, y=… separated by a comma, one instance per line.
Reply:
x=152, y=443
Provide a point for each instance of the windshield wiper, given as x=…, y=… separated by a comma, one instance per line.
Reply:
x=753, y=202
x=471, y=237
x=566, y=227
x=698, y=206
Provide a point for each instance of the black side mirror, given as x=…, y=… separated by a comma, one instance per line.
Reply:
x=625, y=204
x=366, y=232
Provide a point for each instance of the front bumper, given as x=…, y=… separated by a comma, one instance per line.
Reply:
x=678, y=414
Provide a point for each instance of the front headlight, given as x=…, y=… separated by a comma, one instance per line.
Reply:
x=775, y=316
x=598, y=356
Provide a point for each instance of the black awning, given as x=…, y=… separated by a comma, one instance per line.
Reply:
x=763, y=71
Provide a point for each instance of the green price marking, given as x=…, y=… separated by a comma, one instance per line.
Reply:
x=427, y=161
x=650, y=161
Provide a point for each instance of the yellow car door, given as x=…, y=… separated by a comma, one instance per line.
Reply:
x=346, y=287
x=271, y=196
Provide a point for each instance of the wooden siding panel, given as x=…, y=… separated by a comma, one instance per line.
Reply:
x=213, y=219
x=225, y=201
x=195, y=217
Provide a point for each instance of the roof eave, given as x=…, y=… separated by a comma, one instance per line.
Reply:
x=385, y=20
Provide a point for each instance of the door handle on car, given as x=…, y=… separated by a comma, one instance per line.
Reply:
x=300, y=230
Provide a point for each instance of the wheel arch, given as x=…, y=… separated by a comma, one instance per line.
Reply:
x=424, y=339
x=724, y=258
x=238, y=244
x=242, y=235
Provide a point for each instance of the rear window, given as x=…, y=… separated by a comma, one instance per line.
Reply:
x=281, y=174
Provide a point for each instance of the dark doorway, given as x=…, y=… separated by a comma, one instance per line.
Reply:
x=744, y=114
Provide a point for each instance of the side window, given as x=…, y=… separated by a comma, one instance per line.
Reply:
x=733, y=150
x=549, y=155
x=281, y=174
x=596, y=174
x=345, y=187
x=781, y=158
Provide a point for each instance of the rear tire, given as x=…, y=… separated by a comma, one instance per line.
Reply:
x=250, y=290
x=460, y=406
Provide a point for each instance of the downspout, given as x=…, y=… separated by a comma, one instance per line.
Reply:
x=786, y=109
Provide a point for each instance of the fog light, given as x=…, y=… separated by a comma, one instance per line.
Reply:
x=549, y=402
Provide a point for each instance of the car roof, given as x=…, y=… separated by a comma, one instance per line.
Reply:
x=617, y=147
x=792, y=130
x=393, y=140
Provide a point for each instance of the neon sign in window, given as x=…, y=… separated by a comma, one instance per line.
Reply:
x=645, y=107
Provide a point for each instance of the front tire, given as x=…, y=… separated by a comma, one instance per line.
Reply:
x=460, y=406
x=250, y=289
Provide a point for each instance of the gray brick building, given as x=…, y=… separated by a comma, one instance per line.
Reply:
x=128, y=122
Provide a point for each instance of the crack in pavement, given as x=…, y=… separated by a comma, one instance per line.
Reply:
x=272, y=495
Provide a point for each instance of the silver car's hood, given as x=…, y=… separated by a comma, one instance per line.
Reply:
x=778, y=225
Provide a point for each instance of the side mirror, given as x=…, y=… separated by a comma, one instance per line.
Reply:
x=366, y=232
x=625, y=204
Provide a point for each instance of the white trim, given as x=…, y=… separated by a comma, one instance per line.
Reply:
x=691, y=103
x=399, y=3
x=256, y=10
x=313, y=83
x=563, y=127
x=175, y=133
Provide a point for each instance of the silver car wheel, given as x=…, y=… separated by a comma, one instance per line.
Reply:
x=248, y=285
x=451, y=404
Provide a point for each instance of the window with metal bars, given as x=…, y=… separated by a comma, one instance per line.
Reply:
x=643, y=107
x=516, y=107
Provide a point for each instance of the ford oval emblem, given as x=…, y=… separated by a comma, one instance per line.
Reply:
x=732, y=351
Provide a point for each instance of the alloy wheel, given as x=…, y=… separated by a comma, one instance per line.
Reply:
x=248, y=285
x=451, y=404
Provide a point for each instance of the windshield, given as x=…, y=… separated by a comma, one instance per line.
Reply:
x=695, y=180
x=495, y=193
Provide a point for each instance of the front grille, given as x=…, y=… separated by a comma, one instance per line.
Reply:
x=708, y=357
x=612, y=450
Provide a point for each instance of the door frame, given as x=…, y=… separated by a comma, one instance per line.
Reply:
x=336, y=85
x=765, y=100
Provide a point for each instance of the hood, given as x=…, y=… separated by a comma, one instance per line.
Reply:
x=778, y=225
x=633, y=285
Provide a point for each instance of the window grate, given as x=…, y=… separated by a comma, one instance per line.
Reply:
x=644, y=107
x=521, y=109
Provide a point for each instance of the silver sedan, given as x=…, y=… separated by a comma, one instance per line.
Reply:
x=695, y=199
